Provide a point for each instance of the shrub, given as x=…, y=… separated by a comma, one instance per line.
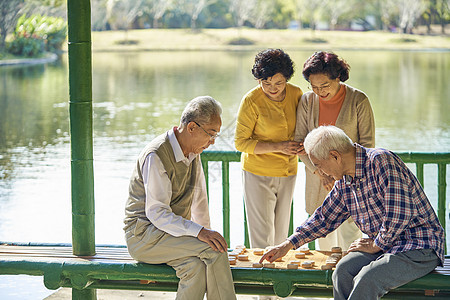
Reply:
x=26, y=46
x=241, y=41
x=36, y=34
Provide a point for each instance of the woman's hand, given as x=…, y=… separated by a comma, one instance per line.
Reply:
x=289, y=147
x=301, y=149
x=286, y=147
x=277, y=252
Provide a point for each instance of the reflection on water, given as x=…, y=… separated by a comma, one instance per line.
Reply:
x=139, y=95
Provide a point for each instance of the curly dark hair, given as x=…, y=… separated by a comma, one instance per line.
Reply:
x=326, y=63
x=272, y=61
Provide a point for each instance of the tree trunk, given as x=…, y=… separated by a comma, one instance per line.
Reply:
x=428, y=28
x=2, y=39
x=126, y=36
x=193, y=23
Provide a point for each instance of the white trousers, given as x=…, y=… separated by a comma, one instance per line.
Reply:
x=199, y=268
x=342, y=237
x=268, y=207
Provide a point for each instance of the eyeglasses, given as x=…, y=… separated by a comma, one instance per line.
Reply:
x=321, y=88
x=212, y=137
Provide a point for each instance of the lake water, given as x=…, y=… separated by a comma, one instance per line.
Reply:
x=140, y=95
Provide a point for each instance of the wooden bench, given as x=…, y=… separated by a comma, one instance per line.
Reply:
x=113, y=268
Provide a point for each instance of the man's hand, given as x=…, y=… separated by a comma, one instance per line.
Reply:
x=364, y=245
x=213, y=239
x=277, y=252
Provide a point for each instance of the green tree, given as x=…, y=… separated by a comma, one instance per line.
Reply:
x=157, y=9
x=335, y=9
x=437, y=12
x=242, y=10
x=263, y=13
x=99, y=18
x=308, y=11
x=409, y=11
x=121, y=13
x=193, y=8
x=217, y=15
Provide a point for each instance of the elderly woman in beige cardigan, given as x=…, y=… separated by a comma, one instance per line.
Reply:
x=331, y=102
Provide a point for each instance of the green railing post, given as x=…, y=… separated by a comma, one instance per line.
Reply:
x=246, y=236
x=84, y=294
x=419, y=173
x=442, y=185
x=291, y=220
x=226, y=199
x=206, y=172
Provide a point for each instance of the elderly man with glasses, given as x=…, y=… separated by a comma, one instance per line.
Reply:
x=166, y=215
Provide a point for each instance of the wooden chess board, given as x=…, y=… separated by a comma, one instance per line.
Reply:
x=319, y=258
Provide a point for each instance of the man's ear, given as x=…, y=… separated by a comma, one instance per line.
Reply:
x=190, y=127
x=335, y=155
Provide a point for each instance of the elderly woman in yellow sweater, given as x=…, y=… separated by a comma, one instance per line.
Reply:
x=265, y=136
x=332, y=102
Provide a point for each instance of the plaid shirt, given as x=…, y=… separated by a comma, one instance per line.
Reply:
x=386, y=202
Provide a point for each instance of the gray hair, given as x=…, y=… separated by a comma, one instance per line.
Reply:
x=323, y=139
x=201, y=109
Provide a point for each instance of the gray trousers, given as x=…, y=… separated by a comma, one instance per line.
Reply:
x=199, y=268
x=362, y=276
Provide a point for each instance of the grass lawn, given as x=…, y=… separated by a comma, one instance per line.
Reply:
x=234, y=39
x=249, y=39
x=8, y=56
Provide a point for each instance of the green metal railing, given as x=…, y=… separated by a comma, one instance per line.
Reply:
x=419, y=159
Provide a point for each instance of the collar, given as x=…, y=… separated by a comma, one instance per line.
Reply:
x=359, y=165
x=178, y=153
x=360, y=160
x=338, y=98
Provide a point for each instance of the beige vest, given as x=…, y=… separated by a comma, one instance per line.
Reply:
x=183, y=180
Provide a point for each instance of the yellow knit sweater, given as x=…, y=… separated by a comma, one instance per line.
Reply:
x=261, y=119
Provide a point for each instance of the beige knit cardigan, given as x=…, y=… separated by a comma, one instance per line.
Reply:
x=355, y=118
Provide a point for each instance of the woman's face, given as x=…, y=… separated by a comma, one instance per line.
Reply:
x=274, y=87
x=323, y=86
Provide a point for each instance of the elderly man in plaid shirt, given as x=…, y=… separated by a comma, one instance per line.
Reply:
x=404, y=241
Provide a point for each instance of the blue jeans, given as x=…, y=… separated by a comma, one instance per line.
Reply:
x=362, y=276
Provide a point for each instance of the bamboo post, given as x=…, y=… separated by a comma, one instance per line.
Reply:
x=80, y=111
x=80, y=97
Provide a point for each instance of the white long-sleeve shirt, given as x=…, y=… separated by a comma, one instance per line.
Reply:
x=158, y=191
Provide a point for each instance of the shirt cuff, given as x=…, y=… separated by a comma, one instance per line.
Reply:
x=194, y=229
x=295, y=240
x=381, y=244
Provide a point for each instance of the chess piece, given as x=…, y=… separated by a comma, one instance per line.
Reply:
x=242, y=257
